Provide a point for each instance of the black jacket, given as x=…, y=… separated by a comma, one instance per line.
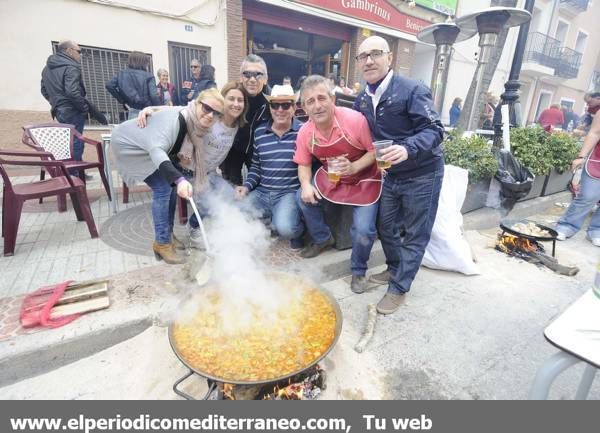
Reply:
x=62, y=86
x=243, y=142
x=134, y=87
x=405, y=115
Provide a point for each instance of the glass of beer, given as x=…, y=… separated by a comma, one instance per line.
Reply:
x=379, y=146
x=333, y=169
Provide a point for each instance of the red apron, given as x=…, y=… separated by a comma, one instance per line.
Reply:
x=361, y=189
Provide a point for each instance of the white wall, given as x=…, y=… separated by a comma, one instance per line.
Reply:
x=27, y=28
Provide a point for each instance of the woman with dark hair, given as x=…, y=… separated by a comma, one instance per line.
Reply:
x=134, y=87
x=172, y=142
x=455, y=110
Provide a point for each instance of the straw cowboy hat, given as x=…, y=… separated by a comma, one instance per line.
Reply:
x=281, y=93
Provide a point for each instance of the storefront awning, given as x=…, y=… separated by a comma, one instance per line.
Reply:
x=355, y=22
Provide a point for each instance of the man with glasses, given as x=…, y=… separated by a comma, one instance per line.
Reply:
x=253, y=76
x=400, y=109
x=272, y=180
x=202, y=78
x=62, y=86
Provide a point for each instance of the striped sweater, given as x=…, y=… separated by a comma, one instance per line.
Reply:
x=272, y=166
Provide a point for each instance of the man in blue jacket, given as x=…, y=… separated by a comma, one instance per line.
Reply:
x=401, y=109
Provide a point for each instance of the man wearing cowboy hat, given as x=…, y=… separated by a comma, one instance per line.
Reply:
x=351, y=179
x=272, y=180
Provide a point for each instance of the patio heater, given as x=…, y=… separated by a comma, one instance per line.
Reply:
x=443, y=35
x=488, y=23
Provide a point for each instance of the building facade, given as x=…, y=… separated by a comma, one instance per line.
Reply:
x=172, y=33
x=560, y=64
x=321, y=36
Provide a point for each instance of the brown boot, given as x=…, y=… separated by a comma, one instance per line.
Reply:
x=167, y=253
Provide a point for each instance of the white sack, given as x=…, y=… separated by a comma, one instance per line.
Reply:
x=448, y=249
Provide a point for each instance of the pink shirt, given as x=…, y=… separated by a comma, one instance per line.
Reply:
x=347, y=121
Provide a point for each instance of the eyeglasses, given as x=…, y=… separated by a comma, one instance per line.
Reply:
x=278, y=105
x=77, y=50
x=208, y=109
x=374, y=54
x=253, y=74
x=194, y=66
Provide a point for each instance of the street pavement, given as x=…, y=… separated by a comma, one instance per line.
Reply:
x=458, y=337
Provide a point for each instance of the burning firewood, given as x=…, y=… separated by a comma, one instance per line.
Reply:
x=369, y=329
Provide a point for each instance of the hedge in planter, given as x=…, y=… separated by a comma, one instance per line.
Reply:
x=564, y=149
x=529, y=145
x=475, y=155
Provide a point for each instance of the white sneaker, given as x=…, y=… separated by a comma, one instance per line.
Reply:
x=560, y=236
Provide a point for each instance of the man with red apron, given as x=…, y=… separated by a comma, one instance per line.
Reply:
x=354, y=180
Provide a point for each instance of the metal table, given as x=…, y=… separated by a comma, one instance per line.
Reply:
x=576, y=332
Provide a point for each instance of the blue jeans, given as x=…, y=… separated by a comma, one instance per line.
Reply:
x=407, y=206
x=363, y=231
x=163, y=207
x=281, y=208
x=77, y=120
x=580, y=207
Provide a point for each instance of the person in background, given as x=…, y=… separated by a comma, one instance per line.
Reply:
x=156, y=154
x=272, y=180
x=571, y=119
x=166, y=91
x=592, y=101
x=400, y=109
x=357, y=88
x=488, y=110
x=345, y=89
x=589, y=193
x=202, y=78
x=253, y=76
x=287, y=81
x=135, y=86
x=300, y=114
x=455, y=110
x=334, y=82
x=551, y=117
x=62, y=86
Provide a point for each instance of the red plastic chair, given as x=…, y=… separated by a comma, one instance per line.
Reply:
x=14, y=195
x=57, y=139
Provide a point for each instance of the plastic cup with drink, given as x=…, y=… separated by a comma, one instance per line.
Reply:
x=379, y=146
x=333, y=169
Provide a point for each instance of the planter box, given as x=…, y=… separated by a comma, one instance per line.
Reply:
x=557, y=182
x=536, y=188
x=476, y=195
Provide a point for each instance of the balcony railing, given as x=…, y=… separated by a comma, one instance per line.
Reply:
x=542, y=49
x=568, y=64
x=575, y=6
x=547, y=51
